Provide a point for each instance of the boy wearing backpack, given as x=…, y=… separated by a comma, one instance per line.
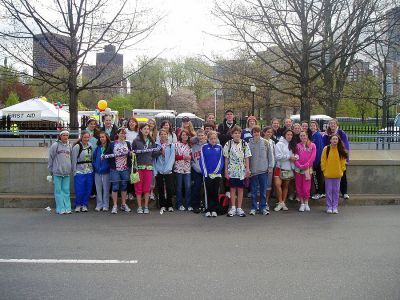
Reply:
x=211, y=164
x=237, y=168
x=261, y=161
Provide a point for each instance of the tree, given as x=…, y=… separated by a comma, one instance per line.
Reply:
x=292, y=39
x=12, y=99
x=69, y=31
x=183, y=100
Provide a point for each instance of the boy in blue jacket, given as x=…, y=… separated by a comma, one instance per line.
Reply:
x=212, y=164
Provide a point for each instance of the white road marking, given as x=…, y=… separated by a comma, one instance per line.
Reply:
x=68, y=261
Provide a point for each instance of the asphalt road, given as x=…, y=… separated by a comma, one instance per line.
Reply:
x=287, y=255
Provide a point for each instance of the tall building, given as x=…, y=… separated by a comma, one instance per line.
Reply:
x=393, y=34
x=109, y=70
x=358, y=69
x=48, y=48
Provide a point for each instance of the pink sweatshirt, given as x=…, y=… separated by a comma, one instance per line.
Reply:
x=306, y=156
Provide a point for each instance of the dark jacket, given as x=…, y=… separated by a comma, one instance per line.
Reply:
x=145, y=155
x=113, y=131
x=224, y=134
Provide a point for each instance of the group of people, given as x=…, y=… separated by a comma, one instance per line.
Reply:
x=139, y=158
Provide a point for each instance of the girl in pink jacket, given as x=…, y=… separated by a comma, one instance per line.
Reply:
x=306, y=151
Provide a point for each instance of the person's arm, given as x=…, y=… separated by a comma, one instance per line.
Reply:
x=343, y=164
x=280, y=153
x=345, y=140
x=247, y=164
x=74, y=157
x=51, y=159
x=226, y=168
x=323, y=159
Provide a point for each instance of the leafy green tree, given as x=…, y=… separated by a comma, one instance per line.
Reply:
x=12, y=99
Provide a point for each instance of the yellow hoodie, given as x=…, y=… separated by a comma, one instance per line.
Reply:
x=333, y=166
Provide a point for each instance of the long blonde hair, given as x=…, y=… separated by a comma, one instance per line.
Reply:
x=153, y=132
x=190, y=129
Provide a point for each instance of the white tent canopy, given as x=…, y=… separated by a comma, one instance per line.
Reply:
x=35, y=110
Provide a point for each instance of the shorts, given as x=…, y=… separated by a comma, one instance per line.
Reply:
x=144, y=185
x=236, y=183
x=119, y=180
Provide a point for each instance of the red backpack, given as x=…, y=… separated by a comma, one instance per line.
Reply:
x=222, y=205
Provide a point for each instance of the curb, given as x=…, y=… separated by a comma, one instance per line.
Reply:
x=42, y=201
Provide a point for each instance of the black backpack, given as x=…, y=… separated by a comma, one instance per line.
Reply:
x=222, y=205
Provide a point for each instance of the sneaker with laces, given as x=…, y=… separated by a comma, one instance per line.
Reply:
x=114, y=209
x=190, y=208
x=329, y=211
x=98, y=209
x=182, y=208
x=125, y=208
x=335, y=211
x=252, y=212
x=208, y=214
x=84, y=208
x=302, y=207
x=240, y=212
x=231, y=212
x=105, y=208
x=140, y=210
x=170, y=209
x=78, y=209
x=346, y=196
x=146, y=210
x=316, y=196
x=284, y=206
x=130, y=196
x=322, y=196
x=214, y=214
x=265, y=212
x=307, y=207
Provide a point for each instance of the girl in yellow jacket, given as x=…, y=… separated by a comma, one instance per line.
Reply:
x=333, y=164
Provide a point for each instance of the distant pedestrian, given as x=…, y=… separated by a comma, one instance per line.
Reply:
x=82, y=169
x=60, y=168
x=333, y=164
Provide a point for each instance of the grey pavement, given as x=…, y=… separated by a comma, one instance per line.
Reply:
x=287, y=255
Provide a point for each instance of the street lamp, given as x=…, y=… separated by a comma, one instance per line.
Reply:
x=253, y=90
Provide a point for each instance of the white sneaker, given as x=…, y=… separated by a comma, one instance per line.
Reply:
x=240, y=212
x=322, y=196
x=302, y=207
x=152, y=197
x=84, y=208
x=231, y=212
x=335, y=211
x=228, y=194
x=146, y=210
x=316, y=197
x=139, y=210
x=190, y=208
x=125, y=208
x=98, y=209
x=130, y=196
x=68, y=212
x=265, y=212
x=307, y=207
x=170, y=209
x=114, y=210
x=208, y=214
x=252, y=212
x=214, y=214
x=346, y=196
x=105, y=208
x=281, y=205
x=77, y=209
x=329, y=211
x=162, y=210
x=182, y=208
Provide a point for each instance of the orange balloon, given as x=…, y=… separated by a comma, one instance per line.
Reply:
x=102, y=104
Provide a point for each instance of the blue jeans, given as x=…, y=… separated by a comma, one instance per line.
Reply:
x=119, y=180
x=197, y=179
x=61, y=193
x=83, y=188
x=182, y=179
x=261, y=181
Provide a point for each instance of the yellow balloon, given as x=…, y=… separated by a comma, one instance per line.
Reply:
x=102, y=104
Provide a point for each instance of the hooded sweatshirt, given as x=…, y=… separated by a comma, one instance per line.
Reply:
x=283, y=154
x=332, y=165
x=306, y=156
x=196, y=153
x=343, y=137
x=319, y=145
x=164, y=164
x=145, y=152
x=261, y=156
x=100, y=166
x=82, y=164
x=60, y=159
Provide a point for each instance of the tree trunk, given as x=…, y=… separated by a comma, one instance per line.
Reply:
x=267, y=109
